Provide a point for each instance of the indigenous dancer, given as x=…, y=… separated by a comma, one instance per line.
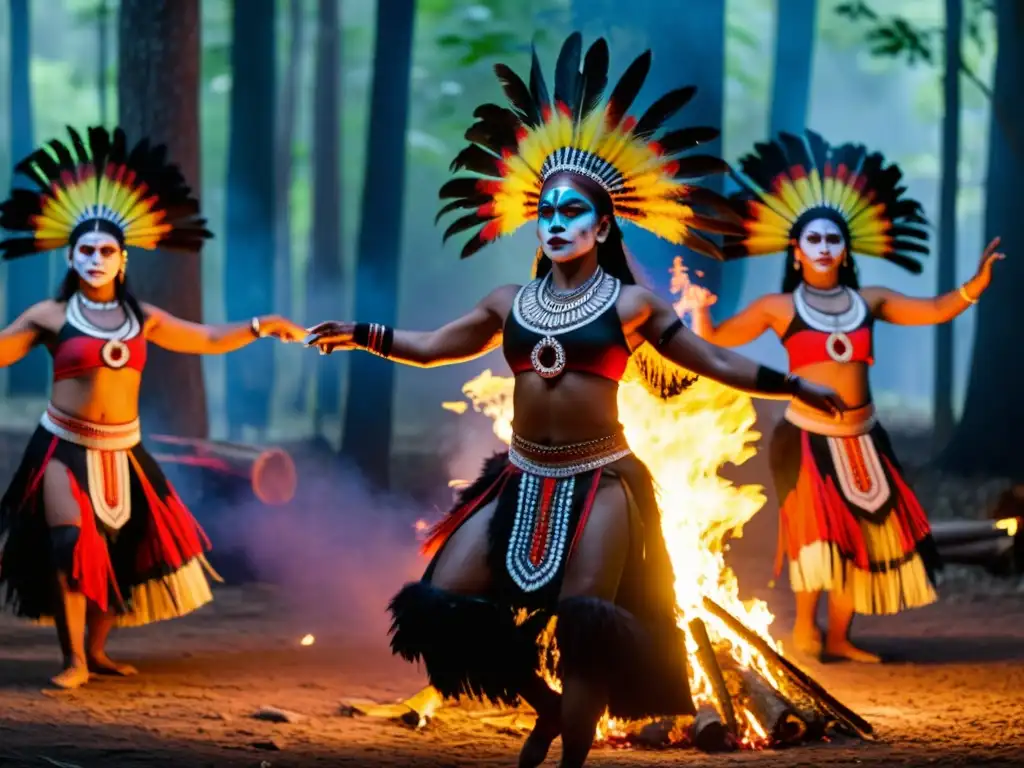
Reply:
x=91, y=533
x=850, y=524
x=566, y=522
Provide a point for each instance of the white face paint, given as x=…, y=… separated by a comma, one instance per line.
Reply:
x=822, y=247
x=567, y=224
x=97, y=258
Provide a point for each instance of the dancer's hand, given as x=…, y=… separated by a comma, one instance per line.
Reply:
x=818, y=397
x=281, y=328
x=697, y=297
x=978, y=284
x=330, y=335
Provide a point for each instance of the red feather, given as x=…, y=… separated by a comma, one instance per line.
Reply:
x=486, y=210
x=491, y=230
x=488, y=187
x=628, y=124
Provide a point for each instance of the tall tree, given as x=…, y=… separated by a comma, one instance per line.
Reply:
x=366, y=437
x=251, y=213
x=987, y=439
x=795, y=27
x=283, y=156
x=943, y=373
x=689, y=49
x=158, y=98
x=323, y=275
x=103, y=57
x=27, y=280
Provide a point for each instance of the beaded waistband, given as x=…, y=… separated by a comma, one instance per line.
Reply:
x=566, y=460
x=88, y=434
x=855, y=422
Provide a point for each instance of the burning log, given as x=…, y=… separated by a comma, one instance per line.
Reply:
x=843, y=714
x=268, y=474
x=954, y=533
x=706, y=654
x=710, y=734
x=773, y=710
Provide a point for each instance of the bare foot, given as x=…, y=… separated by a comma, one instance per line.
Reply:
x=807, y=641
x=74, y=676
x=844, y=649
x=102, y=664
x=537, y=744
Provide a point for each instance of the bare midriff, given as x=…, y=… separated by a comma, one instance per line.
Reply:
x=850, y=382
x=105, y=396
x=572, y=408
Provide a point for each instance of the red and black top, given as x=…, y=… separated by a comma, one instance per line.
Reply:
x=815, y=336
x=83, y=347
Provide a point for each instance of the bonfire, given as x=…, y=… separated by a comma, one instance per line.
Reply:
x=748, y=695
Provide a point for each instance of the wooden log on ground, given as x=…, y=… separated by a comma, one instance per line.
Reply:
x=772, y=710
x=844, y=715
x=706, y=654
x=817, y=719
x=266, y=473
x=952, y=533
x=710, y=733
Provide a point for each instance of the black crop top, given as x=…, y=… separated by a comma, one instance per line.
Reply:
x=597, y=347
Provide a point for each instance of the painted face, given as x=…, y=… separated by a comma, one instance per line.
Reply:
x=97, y=258
x=567, y=224
x=822, y=246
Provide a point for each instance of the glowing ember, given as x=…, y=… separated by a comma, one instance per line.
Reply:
x=1009, y=525
x=307, y=640
x=684, y=442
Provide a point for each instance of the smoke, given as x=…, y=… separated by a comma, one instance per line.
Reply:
x=338, y=551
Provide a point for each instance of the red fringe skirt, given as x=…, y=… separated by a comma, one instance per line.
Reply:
x=849, y=521
x=140, y=553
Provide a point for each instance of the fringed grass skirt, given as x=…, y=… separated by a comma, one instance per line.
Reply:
x=849, y=521
x=139, y=554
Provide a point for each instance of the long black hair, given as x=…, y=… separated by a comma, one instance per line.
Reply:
x=611, y=254
x=794, y=274
x=122, y=293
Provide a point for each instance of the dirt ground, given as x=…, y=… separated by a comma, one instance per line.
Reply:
x=955, y=699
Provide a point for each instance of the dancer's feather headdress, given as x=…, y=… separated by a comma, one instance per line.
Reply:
x=134, y=193
x=576, y=129
x=789, y=182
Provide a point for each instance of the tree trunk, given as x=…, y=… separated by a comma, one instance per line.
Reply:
x=942, y=390
x=249, y=249
x=27, y=280
x=324, y=276
x=366, y=437
x=283, y=158
x=158, y=98
x=102, y=56
x=987, y=439
x=795, y=32
x=688, y=49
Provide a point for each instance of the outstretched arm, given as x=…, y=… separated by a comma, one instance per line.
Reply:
x=739, y=329
x=656, y=321
x=472, y=335
x=18, y=338
x=894, y=307
x=177, y=335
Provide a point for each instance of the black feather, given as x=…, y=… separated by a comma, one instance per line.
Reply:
x=464, y=202
x=674, y=142
x=708, y=199
x=716, y=225
x=697, y=166
x=65, y=159
x=463, y=223
x=538, y=88
x=81, y=153
x=567, y=72
x=910, y=264
x=461, y=187
x=16, y=247
x=913, y=246
x=662, y=110
x=474, y=244
x=594, y=79
x=493, y=136
x=478, y=160
x=625, y=91
x=518, y=95
x=695, y=241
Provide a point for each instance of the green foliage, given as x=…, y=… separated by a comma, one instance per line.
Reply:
x=899, y=38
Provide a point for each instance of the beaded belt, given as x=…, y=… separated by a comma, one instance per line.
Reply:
x=88, y=434
x=567, y=460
